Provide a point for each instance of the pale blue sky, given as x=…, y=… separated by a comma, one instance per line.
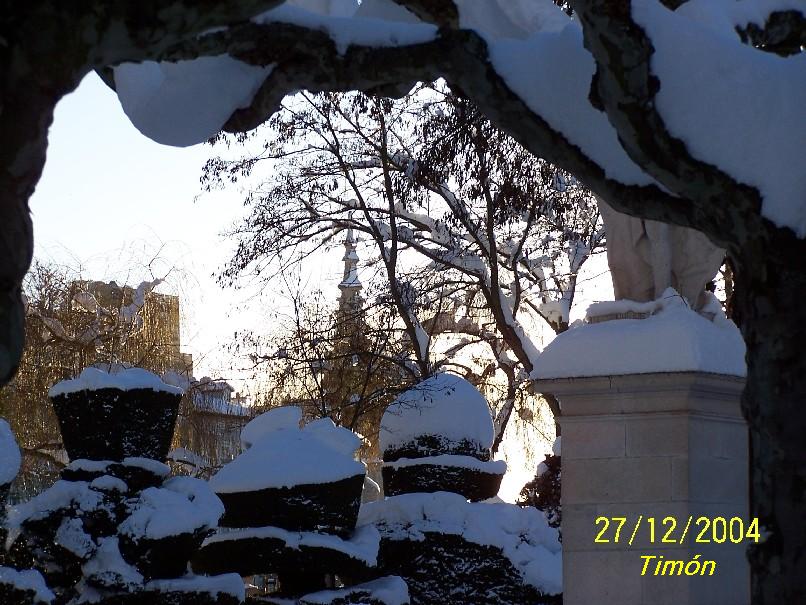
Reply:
x=106, y=187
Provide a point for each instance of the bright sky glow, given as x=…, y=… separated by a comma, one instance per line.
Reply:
x=110, y=198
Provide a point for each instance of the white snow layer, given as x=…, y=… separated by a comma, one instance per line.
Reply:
x=622, y=307
x=339, y=438
x=10, y=457
x=108, y=483
x=494, y=467
x=125, y=380
x=735, y=107
x=186, y=102
x=229, y=584
x=391, y=590
x=362, y=545
x=183, y=455
x=551, y=72
x=181, y=505
x=285, y=458
x=522, y=534
x=71, y=536
x=108, y=567
x=61, y=495
x=443, y=404
x=353, y=30
x=674, y=339
x=100, y=466
x=510, y=18
x=147, y=464
x=28, y=579
x=279, y=418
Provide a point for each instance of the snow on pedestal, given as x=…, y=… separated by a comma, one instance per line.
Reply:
x=651, y=426
x=114, y=415
x=672, y=338
x=437, y=437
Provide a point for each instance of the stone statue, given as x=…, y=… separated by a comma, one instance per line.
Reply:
x=646, y=257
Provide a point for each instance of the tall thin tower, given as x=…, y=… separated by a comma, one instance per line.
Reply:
x=350, y=286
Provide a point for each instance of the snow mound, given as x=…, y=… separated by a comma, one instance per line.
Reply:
x=339, y=438
x=290, y=418
x=171, y=102
x=108, y=483
x=28, y=579
x=390, y=590
x=285, y=458
x=92, y=379
x=522, y=534
x=362, y=545
x=674, y=339
x=276, y=419
x=10, y=457
x=62, y=495
x=444, y=405
x=181, y=505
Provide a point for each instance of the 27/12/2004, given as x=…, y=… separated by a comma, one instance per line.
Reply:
x=668, y=530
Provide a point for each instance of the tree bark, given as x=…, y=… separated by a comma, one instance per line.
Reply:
x=770, y=291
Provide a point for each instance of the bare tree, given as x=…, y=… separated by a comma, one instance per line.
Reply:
x=479, y=219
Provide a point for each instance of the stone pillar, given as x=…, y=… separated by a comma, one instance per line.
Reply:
x=656, y=445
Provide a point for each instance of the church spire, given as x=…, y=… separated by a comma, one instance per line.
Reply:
x=350, y=285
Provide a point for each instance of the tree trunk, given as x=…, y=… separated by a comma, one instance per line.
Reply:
x=771, y=311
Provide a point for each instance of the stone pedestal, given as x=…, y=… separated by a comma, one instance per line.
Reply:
x=655, y=445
